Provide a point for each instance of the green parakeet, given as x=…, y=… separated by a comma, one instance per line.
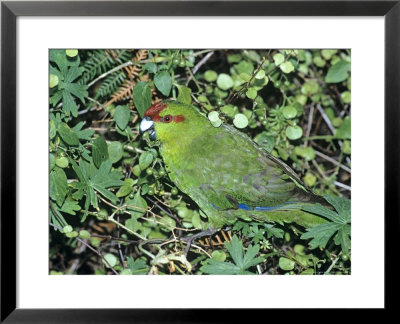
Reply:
x=224, y=171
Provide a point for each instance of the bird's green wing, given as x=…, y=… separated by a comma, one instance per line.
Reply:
x=226, y=170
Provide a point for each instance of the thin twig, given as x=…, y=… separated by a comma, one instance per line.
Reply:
x=119, y=67
x=91, y=248
x=309, y=124
x=202, y=62
x=326, y=119
x=342, y=185
x=322, y=155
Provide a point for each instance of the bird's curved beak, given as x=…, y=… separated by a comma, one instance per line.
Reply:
x=147, y=125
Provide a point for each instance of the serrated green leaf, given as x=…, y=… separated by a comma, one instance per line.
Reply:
x=122, y=116
x=115, y=151
x=220, y=268
x=99, y=151
x=142, y=97
x=58, y=185
x=344, y=130
x=67, y=134
x=145, y=159
x=137, y=205
x=338, y=72
x=235, y=249
x=151, y=67
x=184, y=95
x=138, y=266
x=70, y=207
x=321, y=234
x=163, y=82
x=286, y=264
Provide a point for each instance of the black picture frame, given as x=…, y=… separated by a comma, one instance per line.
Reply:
x=10, y=10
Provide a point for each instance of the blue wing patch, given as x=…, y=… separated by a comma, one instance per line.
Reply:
x=264, y=208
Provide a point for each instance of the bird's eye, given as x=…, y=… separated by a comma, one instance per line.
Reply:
x=167, y=118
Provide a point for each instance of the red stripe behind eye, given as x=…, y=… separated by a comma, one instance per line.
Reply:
x=154, y=113
x=178, y=119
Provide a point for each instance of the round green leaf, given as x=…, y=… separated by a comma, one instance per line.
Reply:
x=62, y=162
x=67, y=229
x=210, y=76
x=245, y=77
x=53, y=80
x=287, y=67
x=217, y=123
x=286, y=264
x=111, y=259
x=309, y=271
x=310, y=179
x=346, y=147
x=289, y=112
x=72, y=234
x=71, y=52
x=251, y=93
x=294, y=132
x=278, y=58
x=115, y=151
x=218, y=255
x=213, y=116
x=84, y=234
x=346, y=97
x=125, y=190
x=240, y=121
x=224, y=81
x=319, y=61
x=260, y=74
x=229, y=110
x=196, y=221
x=52, y=162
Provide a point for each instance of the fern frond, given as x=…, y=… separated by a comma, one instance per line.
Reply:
x=99, y=61
x=131, y=72
x=123, y=93
x=110, y=84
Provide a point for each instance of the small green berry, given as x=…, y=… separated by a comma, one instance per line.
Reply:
x=175, y=61
x=150, y=192
x=174, y=191
x=149, y=171
x=182, y=63
x=345, y=257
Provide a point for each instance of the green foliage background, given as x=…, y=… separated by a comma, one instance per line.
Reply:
x=112, y=208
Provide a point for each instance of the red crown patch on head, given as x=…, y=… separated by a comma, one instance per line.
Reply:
x=154, y=111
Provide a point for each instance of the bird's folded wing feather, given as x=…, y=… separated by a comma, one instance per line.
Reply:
x=233, y=173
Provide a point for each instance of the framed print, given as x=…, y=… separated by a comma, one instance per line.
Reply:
x=167, y=155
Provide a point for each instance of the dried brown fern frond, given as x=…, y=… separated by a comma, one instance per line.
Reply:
x=123, y=93
x=132, y=72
